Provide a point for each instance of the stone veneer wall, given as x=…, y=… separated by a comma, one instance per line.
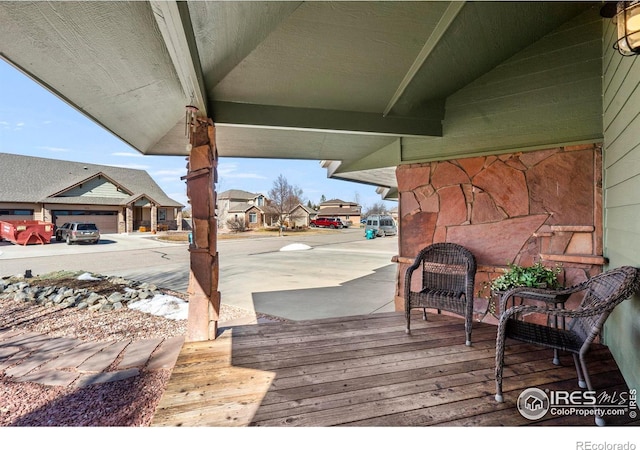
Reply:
x=513, y=208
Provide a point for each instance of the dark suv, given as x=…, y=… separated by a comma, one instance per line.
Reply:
x=78, y=232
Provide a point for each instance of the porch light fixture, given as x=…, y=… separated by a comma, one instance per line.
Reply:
x=626, y=16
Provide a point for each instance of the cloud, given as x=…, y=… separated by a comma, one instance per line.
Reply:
x=229, y=171
x=170, y=172
x=128, y=154
x=55, y=149
x=16, y=127
x=130, y=166
x=180, y=197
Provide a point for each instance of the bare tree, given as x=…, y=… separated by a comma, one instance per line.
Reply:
x=377, y=208
x=283, y=198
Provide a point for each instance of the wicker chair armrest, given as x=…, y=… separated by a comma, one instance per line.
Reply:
x=408, y=274
x=551, y=311
x=513, y=292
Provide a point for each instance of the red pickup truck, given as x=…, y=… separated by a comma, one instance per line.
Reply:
x=326, y=222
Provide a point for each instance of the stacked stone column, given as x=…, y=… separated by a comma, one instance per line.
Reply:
x=204, y=297
x=154, y=217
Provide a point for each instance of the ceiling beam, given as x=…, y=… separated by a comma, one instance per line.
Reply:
x=439, y=31
x=268, y=116
x=175, y=26
x=387, y=156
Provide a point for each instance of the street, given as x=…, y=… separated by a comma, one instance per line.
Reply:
x=341, y=274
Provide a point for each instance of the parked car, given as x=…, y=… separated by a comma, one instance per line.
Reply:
x=383, y=225
x=73, y=232
x=326, y=222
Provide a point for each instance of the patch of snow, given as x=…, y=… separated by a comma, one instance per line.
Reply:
x=294, y=247
x=88, y=277
x=163, y=305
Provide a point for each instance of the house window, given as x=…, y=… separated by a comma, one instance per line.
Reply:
x=16, y=212
x=253, y=218
x=162, y=214
x=260, y=201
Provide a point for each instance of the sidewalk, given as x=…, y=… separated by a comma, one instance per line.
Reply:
x=37, y=358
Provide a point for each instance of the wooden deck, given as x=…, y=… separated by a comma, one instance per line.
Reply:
x=365, y=371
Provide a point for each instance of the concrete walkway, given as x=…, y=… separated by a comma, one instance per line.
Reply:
x=334, y=279
x=38, y=358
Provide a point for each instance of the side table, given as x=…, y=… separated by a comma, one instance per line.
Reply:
x=550, y=299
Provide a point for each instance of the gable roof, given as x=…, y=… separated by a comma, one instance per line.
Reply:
x=305, y=208
x=37, y=180
x=337, y=201
x=330, y=211
x=86, y=180
x=237, y=194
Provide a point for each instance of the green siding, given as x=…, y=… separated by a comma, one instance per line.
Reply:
x=548, y=94
x=621, y=164
x=96, y=187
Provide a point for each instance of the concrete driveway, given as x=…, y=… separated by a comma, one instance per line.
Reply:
x=340, y=274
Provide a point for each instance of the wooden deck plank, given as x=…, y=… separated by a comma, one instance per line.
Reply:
x=420, y=400
x=363, y=371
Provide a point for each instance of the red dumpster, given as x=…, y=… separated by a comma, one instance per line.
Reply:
x=25, y=232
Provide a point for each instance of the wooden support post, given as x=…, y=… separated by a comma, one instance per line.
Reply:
x=204, y=298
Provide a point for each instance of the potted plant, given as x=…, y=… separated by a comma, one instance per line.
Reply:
x=537, y=276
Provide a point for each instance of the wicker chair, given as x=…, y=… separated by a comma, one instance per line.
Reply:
x=601, y=294
x=448, y=271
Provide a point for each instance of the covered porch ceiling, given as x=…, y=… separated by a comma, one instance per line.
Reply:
x=340, y=82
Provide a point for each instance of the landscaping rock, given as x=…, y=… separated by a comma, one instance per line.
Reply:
x=113, y=293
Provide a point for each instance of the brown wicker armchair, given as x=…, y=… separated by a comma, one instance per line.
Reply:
x=448, y=271
x=601, y=294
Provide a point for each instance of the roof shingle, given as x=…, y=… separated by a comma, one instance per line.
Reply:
x=31, y=179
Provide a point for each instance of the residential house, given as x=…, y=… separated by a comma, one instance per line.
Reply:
x=117, y=199
x=300, y=216
x=256, y=211
x=236, y=204
x=349, y=212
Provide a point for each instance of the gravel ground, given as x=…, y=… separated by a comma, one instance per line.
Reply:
x=130, y=402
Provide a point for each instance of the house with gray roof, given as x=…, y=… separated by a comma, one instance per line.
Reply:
x=116, y=199
x=348, y=212
x=236, y=203
x=256, y=211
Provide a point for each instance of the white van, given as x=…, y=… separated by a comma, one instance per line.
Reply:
x=383, y=225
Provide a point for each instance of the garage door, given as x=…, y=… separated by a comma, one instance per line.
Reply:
x=107, y=222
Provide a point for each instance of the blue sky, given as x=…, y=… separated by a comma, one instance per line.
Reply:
x=34, y=122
